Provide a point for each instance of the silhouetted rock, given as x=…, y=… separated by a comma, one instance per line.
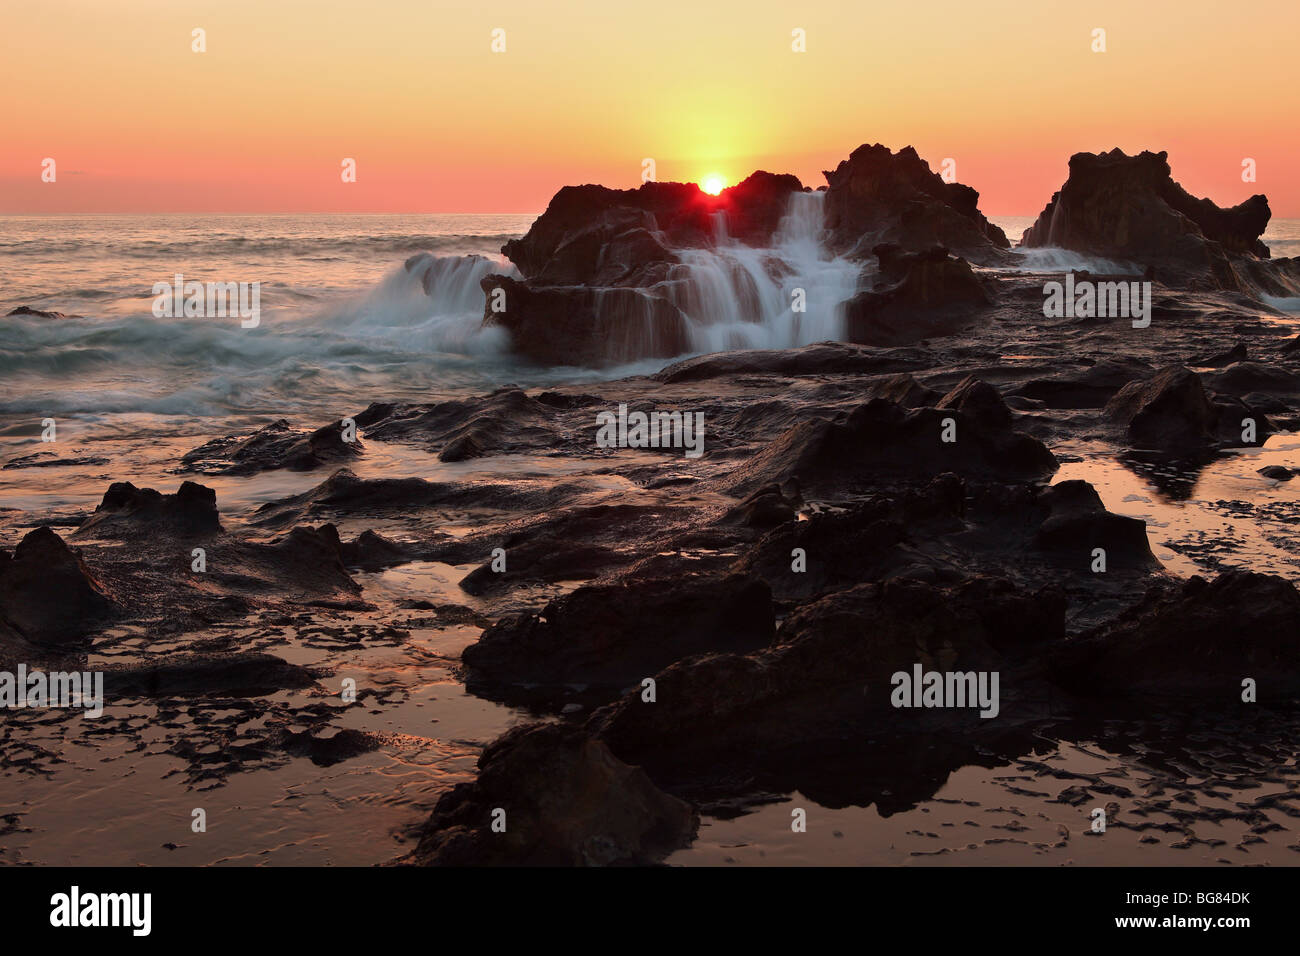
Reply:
x=876, y=196
x=1277, y=472
x=47, y=594
x=562, y=799
x=1129, y=208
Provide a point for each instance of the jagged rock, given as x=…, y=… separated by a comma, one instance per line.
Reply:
x=1196, y=638
x=879, y=439
x=1077, y=522
x=876, y=196
x=1129, y=208
x=191, y=511
x=979, y=400
x=828, y=672
x=1169, y=411
x=47, y=594
x=504, y=421
x=597, y=236
x=277, y=445
x=613, y=635
x=916, y=296
x=567, y=801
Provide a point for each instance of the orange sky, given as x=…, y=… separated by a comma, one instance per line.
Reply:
x=137, y=122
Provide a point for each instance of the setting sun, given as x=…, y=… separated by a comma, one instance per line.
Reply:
x=713, y=184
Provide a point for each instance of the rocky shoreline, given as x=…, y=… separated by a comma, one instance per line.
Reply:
x=694, y=633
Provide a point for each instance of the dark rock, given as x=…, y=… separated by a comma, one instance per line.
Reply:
x=38, y=313
x=1277, y=472
x=567, y=801
x=880, y=439
x=1077, y=522
x=191, y=511
x=1091, y=387
x=47, y=594
x=585, y=325
x=243, y=674
x=828, y=673
x=1170, y=411
x=1129, y=208
x=277, y=445
x=916, y=296
x=876, y=196
x=1196, y=638
x=613, y=635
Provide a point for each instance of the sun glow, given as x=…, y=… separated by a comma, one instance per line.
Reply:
x=713, y=184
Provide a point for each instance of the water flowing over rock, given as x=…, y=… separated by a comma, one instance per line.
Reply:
x=1130, y=208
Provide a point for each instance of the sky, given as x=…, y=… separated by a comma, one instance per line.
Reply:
x=411, y=90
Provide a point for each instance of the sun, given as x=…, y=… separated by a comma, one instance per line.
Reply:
x=713, y=184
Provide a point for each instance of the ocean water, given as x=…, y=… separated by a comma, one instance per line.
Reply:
x=341, y=320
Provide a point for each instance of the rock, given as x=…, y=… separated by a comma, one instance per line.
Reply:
x=1091, y=387
x=567, y=802
x=191, y=511
x=1241, y=378
x=613, y=635
x=38, y=313
x=242, y=674
x=916, y=296
x=1078, y=522
x=1197, y=639
x=47, y=594
x=1277, y=472
x=1235, y=354
x=592, y=235
x=827, y=674
x=507, y=420
x=277, y=445
x=880, y=439
x=1171, y=411
x=585, y=325
x=902, y=389
x=979, y=400
x=876, y=196
x=1129, y=208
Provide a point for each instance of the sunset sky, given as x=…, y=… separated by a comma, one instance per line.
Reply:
x=437, y=122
